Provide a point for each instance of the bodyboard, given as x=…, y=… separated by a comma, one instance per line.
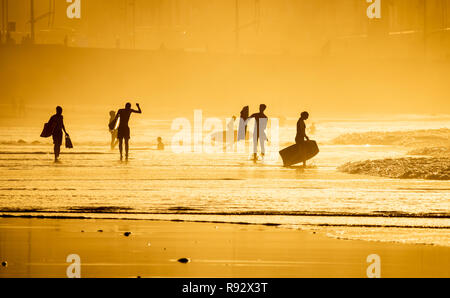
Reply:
x=299, y=152
x=113, y=124
x=47, y=131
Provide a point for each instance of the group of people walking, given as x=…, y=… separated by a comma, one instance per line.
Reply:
x=259, y=132
x=55, y=128
x=120, y=130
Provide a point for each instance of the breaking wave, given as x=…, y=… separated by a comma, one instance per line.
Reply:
x=413, y=138
x=402, y=168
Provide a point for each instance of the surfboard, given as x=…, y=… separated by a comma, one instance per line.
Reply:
x=221, y=137
x=298, y=153
x=48, y=130
x=114, y=124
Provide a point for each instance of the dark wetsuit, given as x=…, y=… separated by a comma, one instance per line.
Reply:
x=301, y=132
x=57, y=122
x=124, y=129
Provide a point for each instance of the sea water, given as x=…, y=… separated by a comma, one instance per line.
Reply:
x=91, y=182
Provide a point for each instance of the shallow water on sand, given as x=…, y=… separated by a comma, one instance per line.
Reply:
x=90, y=181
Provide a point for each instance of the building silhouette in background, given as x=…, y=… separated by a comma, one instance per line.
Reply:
x=303, y=27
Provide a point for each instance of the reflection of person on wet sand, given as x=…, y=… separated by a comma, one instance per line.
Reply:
x=57, y=123
x=114, y=140
x=124, y=131
x=301, y=132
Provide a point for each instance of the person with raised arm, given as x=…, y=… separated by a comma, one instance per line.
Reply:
x=123, y=133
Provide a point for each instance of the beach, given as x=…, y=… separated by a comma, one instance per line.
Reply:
x=176, y=121
x=36, y=247
x=229, y=216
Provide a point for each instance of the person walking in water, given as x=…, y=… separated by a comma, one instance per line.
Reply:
x=242, y=130
x=301, y=133
x=160, y=145
x=259, y=133
x=123, y=132
x=113, y=131
x=56, y=123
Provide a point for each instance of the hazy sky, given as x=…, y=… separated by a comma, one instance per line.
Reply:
x=326, y=57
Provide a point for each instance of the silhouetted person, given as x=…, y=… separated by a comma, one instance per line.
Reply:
x=229, y=136
x=57, y=123
x=259, y=134
x=114, y=140
x=301, y=132
x=124, y=131
x=230, y=125
x=242, y=131
x=160, y=145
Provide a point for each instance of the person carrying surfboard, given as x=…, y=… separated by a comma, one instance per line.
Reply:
x=56, y=123
x=123, y=132
x=242, y=131
x=304, y=148
x=301, y=132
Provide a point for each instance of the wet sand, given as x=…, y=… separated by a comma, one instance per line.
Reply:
x=39, y=247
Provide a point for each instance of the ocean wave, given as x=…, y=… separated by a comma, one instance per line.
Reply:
x=305, y=226
x=383, y=226
x=79, y=143
x=48, y=152
x=402, y=168
x=193, y=211
x=20, y=143
x=431, y=151
x=413, y=138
